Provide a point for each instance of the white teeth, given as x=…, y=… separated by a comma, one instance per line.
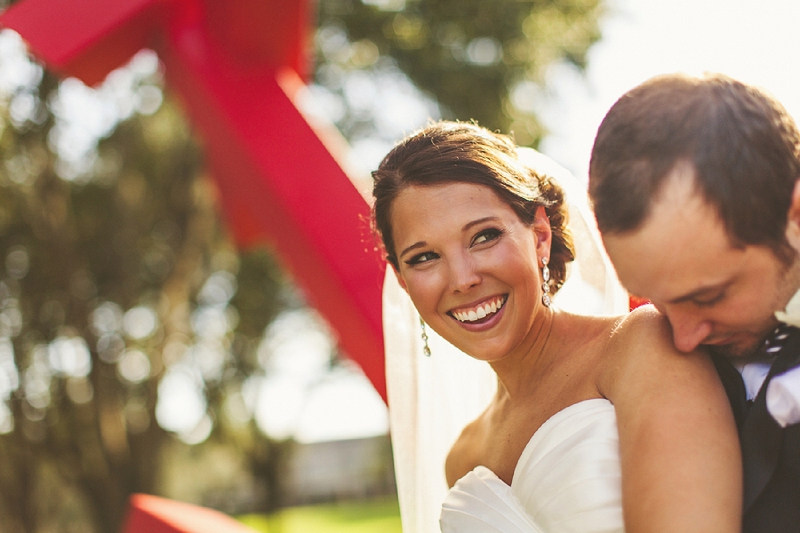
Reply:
x=480, y=312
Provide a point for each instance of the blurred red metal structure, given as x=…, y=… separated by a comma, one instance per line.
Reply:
x=239, y=67
x=635, y=301
x=157, y=515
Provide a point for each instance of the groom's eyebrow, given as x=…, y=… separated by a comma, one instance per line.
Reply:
x=702, y=291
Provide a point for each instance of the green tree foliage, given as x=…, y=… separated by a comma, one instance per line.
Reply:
x=481, y=59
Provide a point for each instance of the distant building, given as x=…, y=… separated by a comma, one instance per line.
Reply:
x=339, y=470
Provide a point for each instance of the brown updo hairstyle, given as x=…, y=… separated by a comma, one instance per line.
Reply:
x=458, y=152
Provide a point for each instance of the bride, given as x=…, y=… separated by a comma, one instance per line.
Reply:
x=594, y=423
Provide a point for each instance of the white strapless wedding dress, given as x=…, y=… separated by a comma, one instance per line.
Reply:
x=567, y=480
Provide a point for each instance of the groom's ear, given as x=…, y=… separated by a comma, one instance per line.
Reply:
x=793, y=219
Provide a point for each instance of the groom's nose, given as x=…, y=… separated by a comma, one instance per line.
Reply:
x=688, y=329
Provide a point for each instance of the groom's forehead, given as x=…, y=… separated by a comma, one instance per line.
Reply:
x=677, y=246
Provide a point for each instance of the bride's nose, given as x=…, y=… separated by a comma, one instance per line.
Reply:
x=463, y=274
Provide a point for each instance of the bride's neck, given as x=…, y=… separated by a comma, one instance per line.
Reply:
x=517, y=371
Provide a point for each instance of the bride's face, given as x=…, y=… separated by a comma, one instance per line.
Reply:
x=470, y=265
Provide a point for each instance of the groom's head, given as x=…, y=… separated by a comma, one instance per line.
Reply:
x=694, y=185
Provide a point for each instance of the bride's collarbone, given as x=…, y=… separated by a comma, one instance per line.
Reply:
x=539, y=394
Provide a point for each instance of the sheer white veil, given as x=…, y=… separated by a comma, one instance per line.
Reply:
x=432, y=398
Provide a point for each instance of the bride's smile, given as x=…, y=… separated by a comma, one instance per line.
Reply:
x=470, y=265
x=481, y=313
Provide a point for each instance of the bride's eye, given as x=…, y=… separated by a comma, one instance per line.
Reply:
x=486, y=236
x=424, y=257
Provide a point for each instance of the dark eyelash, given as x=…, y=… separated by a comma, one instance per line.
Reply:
x=490, y=234
x=414, y=260
x=712, y=301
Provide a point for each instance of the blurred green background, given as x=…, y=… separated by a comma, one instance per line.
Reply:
x=366, y=516
x=140, y=350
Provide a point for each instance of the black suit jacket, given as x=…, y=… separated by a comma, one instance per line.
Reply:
x=771, y=454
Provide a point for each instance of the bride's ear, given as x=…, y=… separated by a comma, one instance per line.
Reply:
x=543, y=232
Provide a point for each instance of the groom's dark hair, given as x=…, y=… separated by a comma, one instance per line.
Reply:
x=742, y=144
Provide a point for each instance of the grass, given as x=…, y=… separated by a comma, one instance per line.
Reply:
x=377, y=516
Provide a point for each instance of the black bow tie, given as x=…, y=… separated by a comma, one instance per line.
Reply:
x=783, y=344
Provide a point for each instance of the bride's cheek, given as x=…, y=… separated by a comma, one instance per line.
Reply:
x=422, y=293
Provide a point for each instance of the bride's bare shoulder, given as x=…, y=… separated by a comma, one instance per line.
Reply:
x=644, y=326
x=641, y=345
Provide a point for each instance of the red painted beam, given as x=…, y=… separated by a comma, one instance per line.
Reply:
x=151, y=514
x=259, y=32
x=87, y=38
x=275, y=170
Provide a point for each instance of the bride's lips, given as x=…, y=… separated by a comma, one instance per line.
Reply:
x=480, y=313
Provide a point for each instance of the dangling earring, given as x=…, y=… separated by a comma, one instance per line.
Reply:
x=425, y=348
x=545, y=283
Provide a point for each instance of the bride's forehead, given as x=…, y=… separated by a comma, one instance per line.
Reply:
x=420, y=210
x=447, y=196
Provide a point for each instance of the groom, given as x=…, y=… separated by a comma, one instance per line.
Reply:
x=696, y=189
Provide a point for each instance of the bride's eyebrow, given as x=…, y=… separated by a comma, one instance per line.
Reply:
x=469, y=225
x=420, y=244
